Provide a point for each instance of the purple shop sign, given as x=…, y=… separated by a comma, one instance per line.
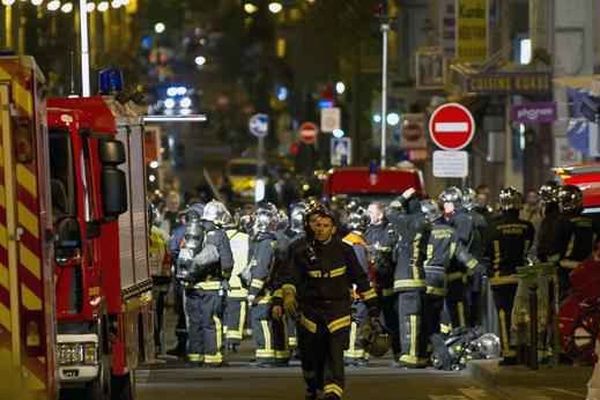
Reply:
x=534, y=113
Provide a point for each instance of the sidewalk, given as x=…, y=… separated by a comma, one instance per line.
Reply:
x=519, y=382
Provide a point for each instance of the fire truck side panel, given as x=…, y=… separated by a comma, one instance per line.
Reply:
x=26, y=289
x=128, y=278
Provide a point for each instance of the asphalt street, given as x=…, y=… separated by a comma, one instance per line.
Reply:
x=238, y=381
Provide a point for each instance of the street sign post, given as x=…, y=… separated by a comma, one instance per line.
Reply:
x=259, y=127
x=451, y=126
x=450, y=164
x=308, y=132
x=341, y=152
x=331, y=119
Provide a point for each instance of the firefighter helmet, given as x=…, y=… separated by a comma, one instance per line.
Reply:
x=570, y=198
x=215, y=212
x=510, y=199
x=469, y=196
x=283, y=222
x=297, y=217
x=431, y=210
x=358, y=219
x=549, y=193
x=452, y=195
x=194, y=211
x=265, y=219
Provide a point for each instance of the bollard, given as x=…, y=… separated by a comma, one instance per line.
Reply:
x=533, y=327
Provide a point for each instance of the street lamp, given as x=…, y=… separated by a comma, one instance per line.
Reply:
x=393, y=119
x=159, y=27
x=250, y=8
x=200, y=60
x=90, y=7
x=37, y=2
x=67, y=8
x=103, y=6
x=275, y=7
x=53, y=5
x=8, y=2
x=340, y=87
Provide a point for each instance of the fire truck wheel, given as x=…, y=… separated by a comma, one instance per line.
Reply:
x=122, y=387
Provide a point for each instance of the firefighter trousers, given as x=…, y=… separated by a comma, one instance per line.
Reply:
x=235, y=319
x=355, y=353
x=262, y=332
x=434, y=305
x=280, y=341
x=322, y=356
x=504, y=297
x=456, y=303
x=205, y=331
x=292, y=335
x=413, y=345
x=389, y=309
x=181, y=326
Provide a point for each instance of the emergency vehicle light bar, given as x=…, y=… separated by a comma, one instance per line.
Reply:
x=177, y=118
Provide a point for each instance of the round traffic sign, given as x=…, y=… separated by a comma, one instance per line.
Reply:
x=451, y=126
x=308, y=132
x=259, y=125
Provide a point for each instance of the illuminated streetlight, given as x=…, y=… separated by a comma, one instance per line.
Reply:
x=53, y=5
x=154, y=164
x=275, y=7
x=159, y=27
x=377, y=118
x=152, y=178
x=67, y=8
x=250, y=8
x=37, y=2
x=91, y=7
x=340, y=87
x=8, y=2
x=200, y=60
x=186, y=102
x=103, y=6
x=393, y=119
x=116, y=3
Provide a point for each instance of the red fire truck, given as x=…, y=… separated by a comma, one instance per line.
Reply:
x=27, y=324
x=103, y=285
x=369, y=184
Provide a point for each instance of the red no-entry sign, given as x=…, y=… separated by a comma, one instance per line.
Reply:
x=451, y=126
x=308, y=132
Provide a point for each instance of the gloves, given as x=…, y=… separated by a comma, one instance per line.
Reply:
x=290, y=305
x=250, y=300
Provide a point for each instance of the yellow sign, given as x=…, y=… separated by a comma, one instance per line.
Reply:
x=472, y=30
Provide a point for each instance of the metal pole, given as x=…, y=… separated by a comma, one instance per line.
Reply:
x=85, y=49
x=385, y=28
x=8, y=27
x=261, y=165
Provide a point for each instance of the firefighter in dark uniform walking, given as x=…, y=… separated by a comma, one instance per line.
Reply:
x=409, y=285
x=510, y=240
x=356, y=222
x=545, y=239
x=475, y=281
x=261, y=259
x=382, y=237
x=316, y=288
x=203, y=303
x=443, y=247
x=455, y=216
x=575, y=235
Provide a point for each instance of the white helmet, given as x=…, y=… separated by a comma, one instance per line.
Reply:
x=216, y=212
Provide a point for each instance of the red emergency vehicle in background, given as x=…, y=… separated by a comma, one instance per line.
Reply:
x=370, y=184
x=27, y=322
x=103, y=284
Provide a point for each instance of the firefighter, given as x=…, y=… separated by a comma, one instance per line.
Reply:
x=193, y=211
x=510, y=240
x=381, y=238
x=316, y=289
x=356, y=223
x=160, y=267
x=236, y=307
x=443, y=247
x=409, y=285
x=476, y=250
x=575, y=235
x=261, y=259
x=546, y=237
x=296, y=233
x=211, y=265
x=454, y=215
